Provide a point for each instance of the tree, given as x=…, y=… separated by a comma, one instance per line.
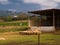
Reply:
x=22, y=17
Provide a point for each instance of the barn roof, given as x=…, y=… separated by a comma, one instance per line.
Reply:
x=47, y=11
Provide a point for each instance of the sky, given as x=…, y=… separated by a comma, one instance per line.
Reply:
x=28, y=5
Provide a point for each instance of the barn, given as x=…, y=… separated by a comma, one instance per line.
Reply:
x=50, y=19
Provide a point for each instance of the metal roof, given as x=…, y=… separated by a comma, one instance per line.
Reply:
x=47, y=11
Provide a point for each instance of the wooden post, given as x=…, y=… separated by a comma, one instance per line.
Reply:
x=38, y=39
x=29, y=22
x=54, y=20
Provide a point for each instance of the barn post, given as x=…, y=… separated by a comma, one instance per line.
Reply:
x=29, y=25
x=54, y=19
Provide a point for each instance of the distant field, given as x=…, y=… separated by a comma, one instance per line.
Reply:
x=15, y=29
x=14, y=23
x=13, y=26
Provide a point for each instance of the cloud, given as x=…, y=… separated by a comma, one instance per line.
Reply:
x=57, y=1
x=44, y=4
x=12, y=10
x=4, y=2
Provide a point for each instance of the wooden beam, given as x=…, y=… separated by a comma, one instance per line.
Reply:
x=54, y=19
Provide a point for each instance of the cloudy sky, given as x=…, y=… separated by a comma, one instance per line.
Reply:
x=28, y=5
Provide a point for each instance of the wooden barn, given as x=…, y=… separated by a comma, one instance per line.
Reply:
x=50, y=19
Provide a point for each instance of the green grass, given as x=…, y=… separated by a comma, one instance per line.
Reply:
x=18, y=39
x=14, y=23
x=50, y=39
x=15, y=26
x=14, y=29
x=33, y=39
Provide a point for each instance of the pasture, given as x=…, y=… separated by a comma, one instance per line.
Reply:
x=14, y=23
x=13, y=26
x=50, y=39
x=9, y=35
x=17, y=39
x=14, y=38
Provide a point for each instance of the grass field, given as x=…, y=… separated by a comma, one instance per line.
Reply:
x=50, y=39
x=13, y=26
x=14, y=23
x=9, y=32
x=17, y=39
x=13, y=29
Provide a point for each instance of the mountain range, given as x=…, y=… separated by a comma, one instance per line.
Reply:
x=6, y=13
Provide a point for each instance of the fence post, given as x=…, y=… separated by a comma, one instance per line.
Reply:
x=39, y=39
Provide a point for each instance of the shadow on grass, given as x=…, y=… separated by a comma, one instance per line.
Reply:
x=21, y=43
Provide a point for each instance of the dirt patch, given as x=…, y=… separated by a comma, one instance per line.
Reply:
x=8, y=27
x=2, y=39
